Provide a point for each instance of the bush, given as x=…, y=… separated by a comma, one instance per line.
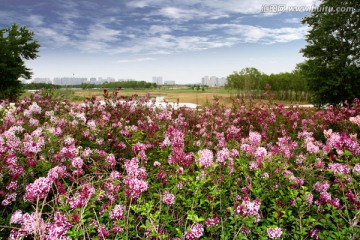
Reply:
x=124, y=170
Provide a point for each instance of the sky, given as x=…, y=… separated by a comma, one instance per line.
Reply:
x=180, y=40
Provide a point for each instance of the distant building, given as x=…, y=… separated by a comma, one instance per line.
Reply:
x=158, y=80
x=69, y=80
x=213, y=81
x=93, y=80
x=42, y=80
x=169, y=82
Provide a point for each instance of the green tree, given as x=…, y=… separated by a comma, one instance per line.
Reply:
x=16, y=46
x=247, y=79
x=332, y=67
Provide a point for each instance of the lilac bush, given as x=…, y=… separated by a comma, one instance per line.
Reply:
x=123, y=169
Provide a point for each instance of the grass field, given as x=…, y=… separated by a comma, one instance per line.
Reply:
x=183, y=95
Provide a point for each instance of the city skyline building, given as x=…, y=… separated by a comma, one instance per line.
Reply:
x=213, y=81
x=158, y=80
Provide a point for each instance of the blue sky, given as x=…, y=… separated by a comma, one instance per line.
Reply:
x=181, y=40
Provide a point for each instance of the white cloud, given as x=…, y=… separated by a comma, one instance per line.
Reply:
x=254, y=34
x=99, y=32
x=35, y=20
x=180, y=13
x=154, y=29
x=52, y=37
x=292, y=20
x=135, y=60
x=228, y=6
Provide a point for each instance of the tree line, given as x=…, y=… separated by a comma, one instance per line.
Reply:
x=250, y=82
x=120, y=85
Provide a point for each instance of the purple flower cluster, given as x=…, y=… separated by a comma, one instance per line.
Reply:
x=135, y=179
x=206, y=158
x=274, y=232
x=196, y=231
x=168, y=198
x=248, y=208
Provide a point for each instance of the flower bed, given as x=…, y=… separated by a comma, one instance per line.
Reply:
x=127, y=171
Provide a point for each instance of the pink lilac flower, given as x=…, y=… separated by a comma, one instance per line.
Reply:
x=56, y=172
x=325, y=197
x=69, y=141
x=254, y=138
x=300, y=159
x=206, y=157
x=274, y=232
x=168, y=198
x=91, y=124
x=337, y=168
x=86, y=153
x=136, y=187
x=157, y=164
x=16, y=217
x=176, y=137
x=356, y=169
x=336, y=203
x=321, y=186
x=102, y=232
x=260, y=152
x=222, y=155
x=30, y=223
x=57, y=229
x=247, y=148
x=213, y=221
x=117, y=229
x=77, y=162
x=80, y=198
x=196, y=231
x=312, y=148
x=115, y=175
x=9, y=199
x=12, y=185
x=39, y=189
x=234, y=153
x=110, y=159
x=352, y=197
x=179, y=185
x=248, y=208
x=253, y=165
x=355, y=120
x=117, y=212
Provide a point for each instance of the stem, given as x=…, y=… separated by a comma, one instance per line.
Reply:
x=127, y=220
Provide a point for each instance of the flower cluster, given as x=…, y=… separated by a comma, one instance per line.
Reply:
x=120, y=168
x=274, y=232
x=168, y=198
x=196, y=231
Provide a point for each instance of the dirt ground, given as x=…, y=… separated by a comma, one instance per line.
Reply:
x=200, y=98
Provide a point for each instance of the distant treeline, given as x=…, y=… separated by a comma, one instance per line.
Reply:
x=114, y=85
x=38, y=86
x=250, y=82
x=108, y=85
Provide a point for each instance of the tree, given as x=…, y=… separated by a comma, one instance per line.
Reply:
x=16, y=46
x=247, y=79
x=332, y=67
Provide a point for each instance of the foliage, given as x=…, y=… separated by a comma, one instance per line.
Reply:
x=123, y=169
x=250, y=82
x=127, y=84
x=333, y=53
x=247, y=79
x=40, y=86
x=16, y=44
